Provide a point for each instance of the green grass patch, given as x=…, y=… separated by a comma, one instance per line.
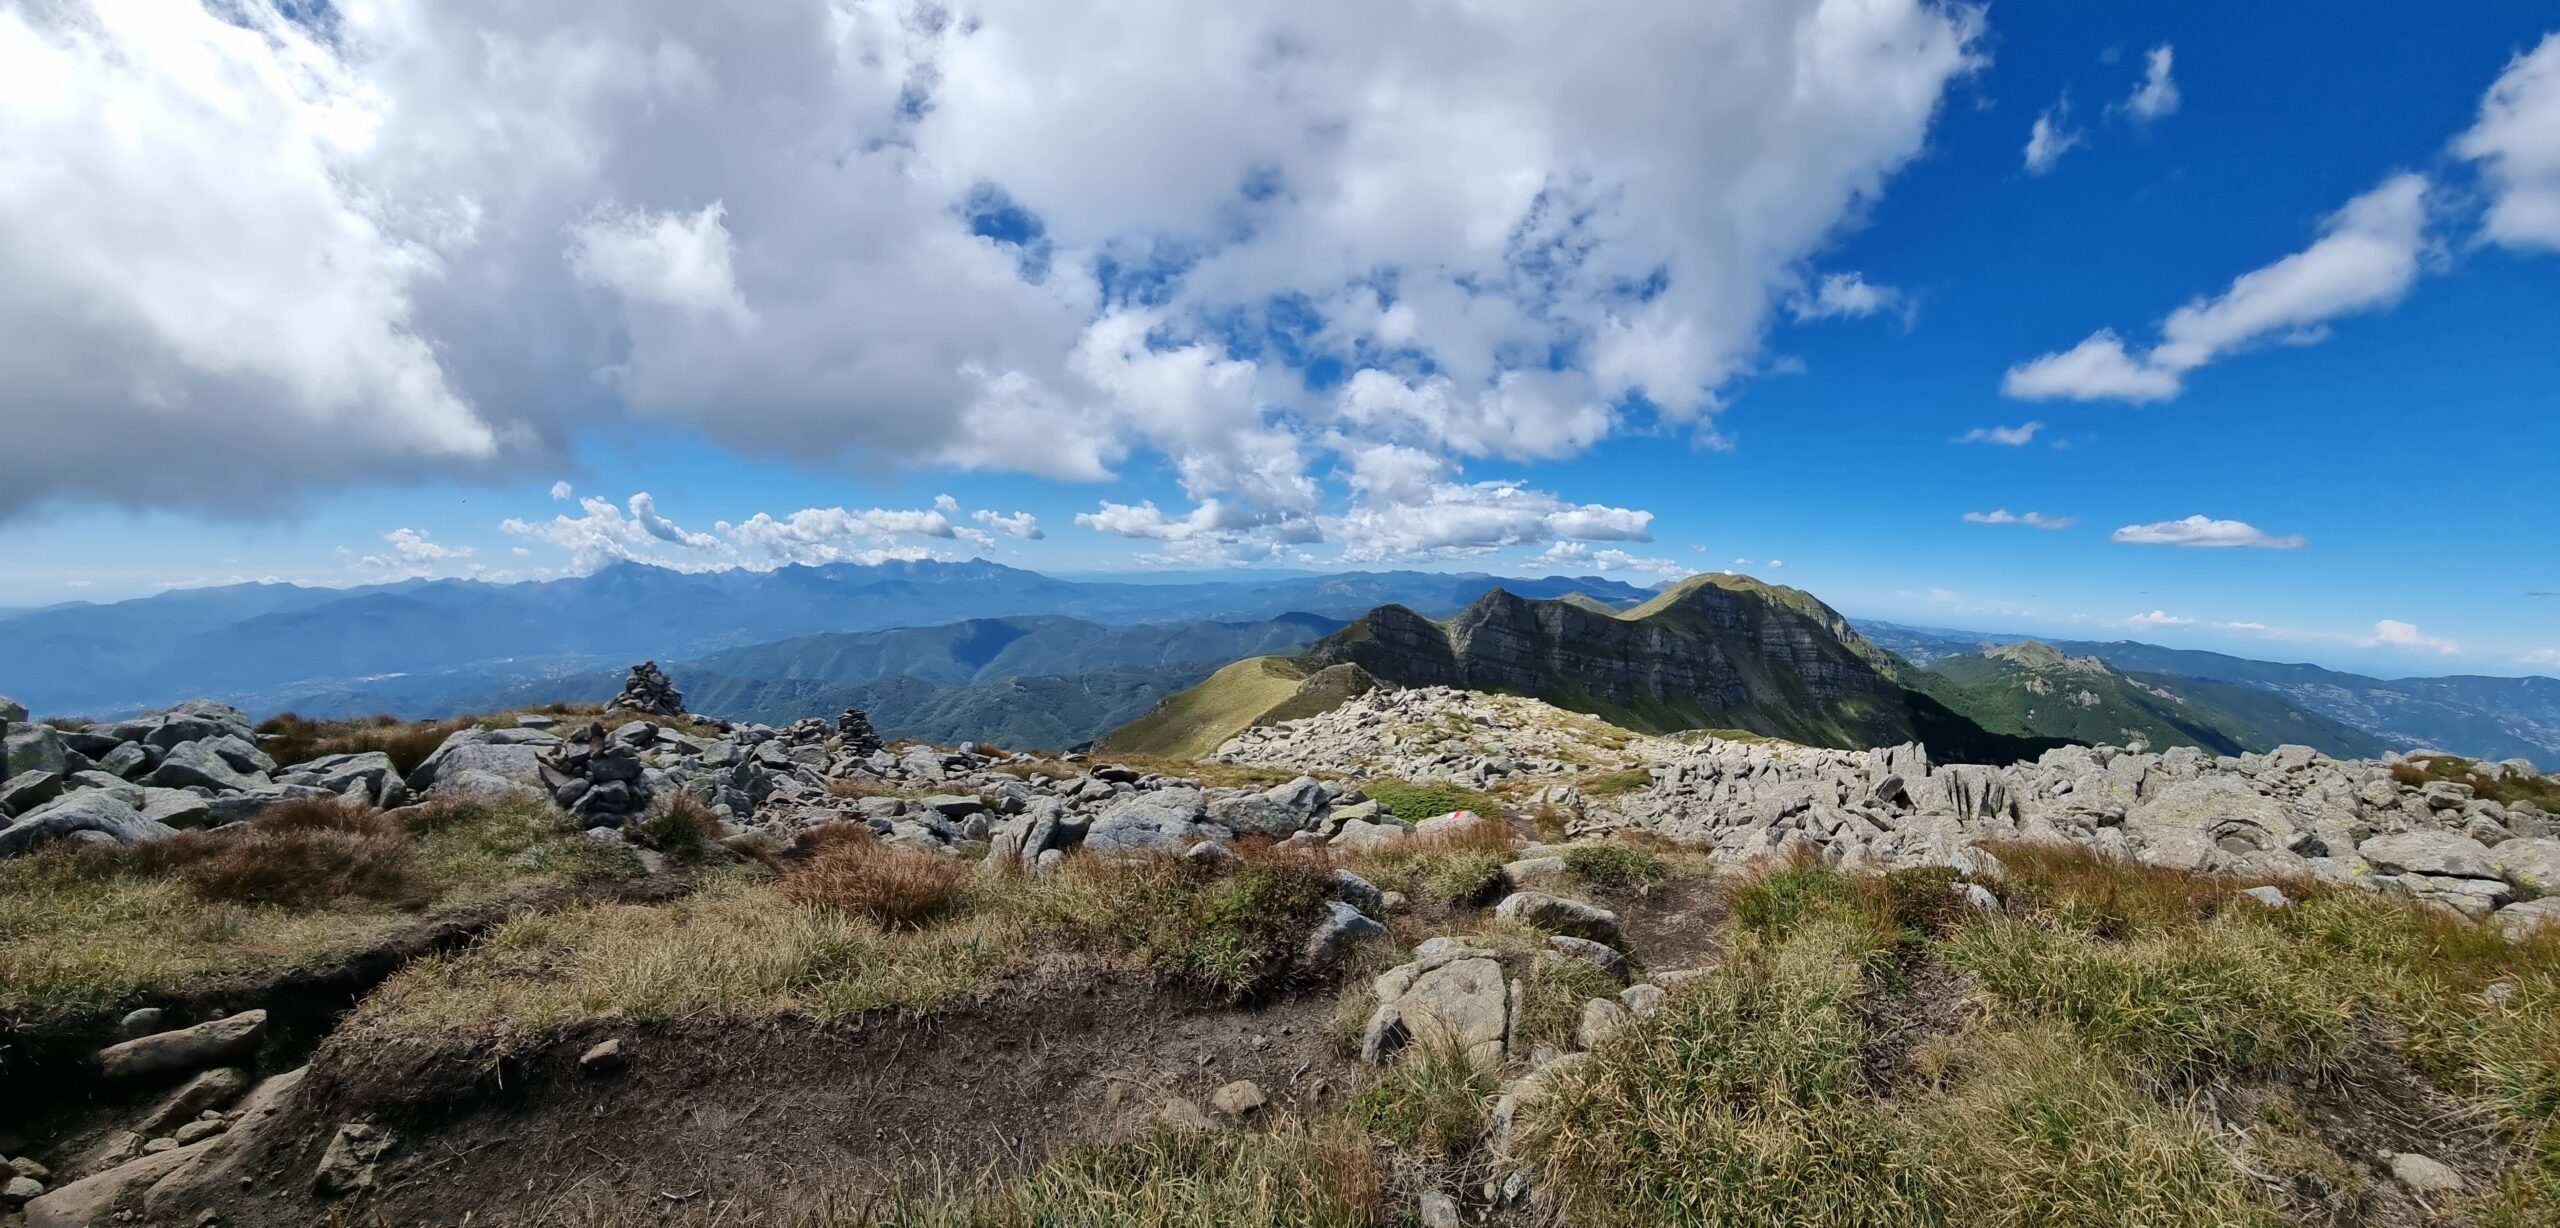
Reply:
x=1465, y=879
x=1617, y=784
x=1552, y=994
x=1616, y=866
x=1739, y=1102
x=2182, y=1006
x=1415, y=801
x=1294, y=1177
x=1433, y=1100
x=2487, y=784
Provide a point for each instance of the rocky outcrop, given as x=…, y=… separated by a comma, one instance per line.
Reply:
x=197, y=764
x=2292, y=811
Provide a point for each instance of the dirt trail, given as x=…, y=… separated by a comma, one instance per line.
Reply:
x=768, y=1112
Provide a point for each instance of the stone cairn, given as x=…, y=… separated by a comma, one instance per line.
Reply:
x=649, y=692
x=855, y=727
x=595, y=777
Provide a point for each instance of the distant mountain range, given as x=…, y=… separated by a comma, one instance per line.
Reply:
x=2467, y=714
x=979, y=651
x=409, y=646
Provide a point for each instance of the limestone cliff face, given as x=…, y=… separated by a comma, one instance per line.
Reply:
x=1720, y=651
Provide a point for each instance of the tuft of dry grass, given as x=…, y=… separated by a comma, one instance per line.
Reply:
x=896, y=888
x=82, y=927
x=2079, y=888
x=292, y=738
x=680, y=825
x=298, y=856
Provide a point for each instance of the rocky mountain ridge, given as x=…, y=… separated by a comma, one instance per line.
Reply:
x=1714, y=652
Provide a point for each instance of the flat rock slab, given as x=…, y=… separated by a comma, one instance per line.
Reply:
x=1558, y=915
x=217, y=1043
x=1463, y=1005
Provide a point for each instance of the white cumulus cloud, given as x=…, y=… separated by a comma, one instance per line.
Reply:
x=415, y=552
x=2032, y=519
x=2158, y=618
x=2005, y=436
x=2517, y=143
x=1018, y=524
x=2367, y=257
x=666, y=258
x=2157, y=95
x=2203, y=531
x=243, y=259
x=2050, y=137
x=1843, y=294
x=2392, y=633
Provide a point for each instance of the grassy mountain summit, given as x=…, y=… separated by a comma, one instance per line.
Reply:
x=1715, y=651
x=2036, y=690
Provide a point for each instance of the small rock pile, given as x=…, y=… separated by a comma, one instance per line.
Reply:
x=599, y=777
x=854, y=726
x=649, y=692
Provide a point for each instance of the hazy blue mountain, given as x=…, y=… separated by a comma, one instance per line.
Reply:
x=2482, y=717
x=989, y=648
x=2032, y=689
x=256, y=643
x=2467, y=714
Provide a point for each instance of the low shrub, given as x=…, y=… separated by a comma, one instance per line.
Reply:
x=1233, y=932
x=291, y=738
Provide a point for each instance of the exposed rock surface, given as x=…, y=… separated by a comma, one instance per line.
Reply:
x=2290, y=811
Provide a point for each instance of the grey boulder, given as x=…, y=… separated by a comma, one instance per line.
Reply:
x=1342, y=928
x=201, y=765
x=484, y=760
x=34, y=748
x=1167, y=819
x=90, y=811
x=1558, y=915
x=2434, y=853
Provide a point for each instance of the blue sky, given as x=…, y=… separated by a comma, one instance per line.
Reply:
x=1732, y=320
